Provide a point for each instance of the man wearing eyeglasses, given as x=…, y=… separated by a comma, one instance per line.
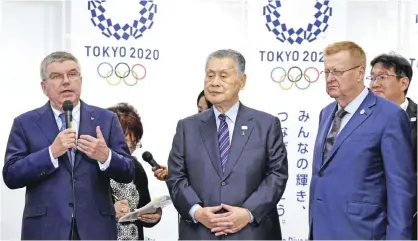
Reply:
x=363, y=184
x=66, y=166
x=390, y=78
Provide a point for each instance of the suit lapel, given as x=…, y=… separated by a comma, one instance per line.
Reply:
x=87, y=126
x=412, y=112
x=238, y=139
x=329, y=114
x=363, y=112
x=208, y=132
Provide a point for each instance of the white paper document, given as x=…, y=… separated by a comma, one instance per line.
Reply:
x=151, y=207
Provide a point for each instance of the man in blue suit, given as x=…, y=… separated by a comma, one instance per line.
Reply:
x=363, y=183
x=67, y=180
x=227, y=169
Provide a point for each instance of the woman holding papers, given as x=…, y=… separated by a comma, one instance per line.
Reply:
x=128, y=197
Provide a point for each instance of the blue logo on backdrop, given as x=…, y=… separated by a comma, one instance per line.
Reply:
x=125, y=30
x=288, y=34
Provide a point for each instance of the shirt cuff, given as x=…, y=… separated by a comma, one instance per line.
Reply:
x=106, y=164
x=251, y=216
x=53, y=160
x=193, y=210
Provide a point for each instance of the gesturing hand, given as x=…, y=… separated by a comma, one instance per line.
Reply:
x=65, y=140
x=95, y=148
x=237, y=220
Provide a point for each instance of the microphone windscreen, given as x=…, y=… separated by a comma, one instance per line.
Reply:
x=147, y=156
x=67, y=106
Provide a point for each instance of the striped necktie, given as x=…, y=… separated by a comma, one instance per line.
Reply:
x=336, y=124
x=63, y=127
x=224, y=143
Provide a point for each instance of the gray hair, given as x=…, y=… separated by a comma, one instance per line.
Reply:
x=237, y=56
x=58, y=56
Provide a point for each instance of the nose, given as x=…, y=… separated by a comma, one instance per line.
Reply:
x=330, y=78
x=65, y=79
x=215, y=81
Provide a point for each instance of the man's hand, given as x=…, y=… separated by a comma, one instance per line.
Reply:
x=121, y=208
x=161, y=173
x=65, y=140
x=151, y=217
x=237, y=220
x=206, y=215
x=95, y=148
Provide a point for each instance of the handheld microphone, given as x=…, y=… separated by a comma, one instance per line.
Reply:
x=147, y=156
x=67, y=106
x=68, y=109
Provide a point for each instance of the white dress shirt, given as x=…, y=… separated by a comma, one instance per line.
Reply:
x=75, y=126
x=405, y=104
x=352, y=107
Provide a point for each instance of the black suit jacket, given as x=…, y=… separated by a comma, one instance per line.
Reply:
x=412, y=112
x=141, y=183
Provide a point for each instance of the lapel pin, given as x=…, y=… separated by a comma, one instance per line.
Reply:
x=92, y=118
x=243, y=129
x=413, y=119
x=362, y=112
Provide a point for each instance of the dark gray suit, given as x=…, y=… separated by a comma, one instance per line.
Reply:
x=255, y=175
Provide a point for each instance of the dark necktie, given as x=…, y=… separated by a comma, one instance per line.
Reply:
x=223, y=137
x=63, y=127
x=336, y=123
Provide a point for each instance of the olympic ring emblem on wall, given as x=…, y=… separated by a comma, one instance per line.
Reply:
x=109, y=28
x=294, y=75
x=121, y=74
x=288, y=34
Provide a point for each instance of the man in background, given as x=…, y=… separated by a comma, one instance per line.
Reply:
x=390, y=78
x=363, y=183
x=67, y=180
x=227, y=168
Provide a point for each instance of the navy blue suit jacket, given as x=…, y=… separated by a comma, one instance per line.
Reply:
x=49, y=195
x=365, y=187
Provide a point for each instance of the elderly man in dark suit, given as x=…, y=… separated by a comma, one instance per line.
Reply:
x=390, y=78
x=227, y=169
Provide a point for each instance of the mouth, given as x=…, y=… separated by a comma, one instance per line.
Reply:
x=66, y=91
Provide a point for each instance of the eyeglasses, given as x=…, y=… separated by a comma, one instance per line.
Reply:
x=337, y=73
x=383, y=77
x=73, y=75
x=136, y=146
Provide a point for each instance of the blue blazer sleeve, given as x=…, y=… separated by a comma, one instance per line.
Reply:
x=121, y=168
x=270, y=191
x=396, y=150
x=182, y=194
x=22, y=168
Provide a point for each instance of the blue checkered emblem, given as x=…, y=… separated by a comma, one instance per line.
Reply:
x=124, y=31
x=288, y=34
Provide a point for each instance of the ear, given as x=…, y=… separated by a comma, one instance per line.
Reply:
x=243, y=81
x=362, y=73
x=43, y=86
x=404, y=83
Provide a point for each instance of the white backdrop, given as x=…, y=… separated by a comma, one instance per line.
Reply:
x=183, y=33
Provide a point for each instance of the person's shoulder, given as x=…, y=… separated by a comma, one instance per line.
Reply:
x=258, y=115
x=98, y=110
x=31, y=115
x=387, y=107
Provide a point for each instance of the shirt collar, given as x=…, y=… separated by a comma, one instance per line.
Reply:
x=352, y=107
x=75, y=112
x=405, y=104
x=230, y=114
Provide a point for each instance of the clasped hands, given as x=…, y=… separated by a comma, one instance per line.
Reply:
x=95, y=148
x=232, y=221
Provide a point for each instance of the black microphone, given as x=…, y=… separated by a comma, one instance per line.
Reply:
x=147, y=156
x=68, y=109
x=67, y=106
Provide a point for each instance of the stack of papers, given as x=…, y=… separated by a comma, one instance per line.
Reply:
x=151, y=207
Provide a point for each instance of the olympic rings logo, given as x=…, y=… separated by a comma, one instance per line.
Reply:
x=137, y=71
x=294, y=75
